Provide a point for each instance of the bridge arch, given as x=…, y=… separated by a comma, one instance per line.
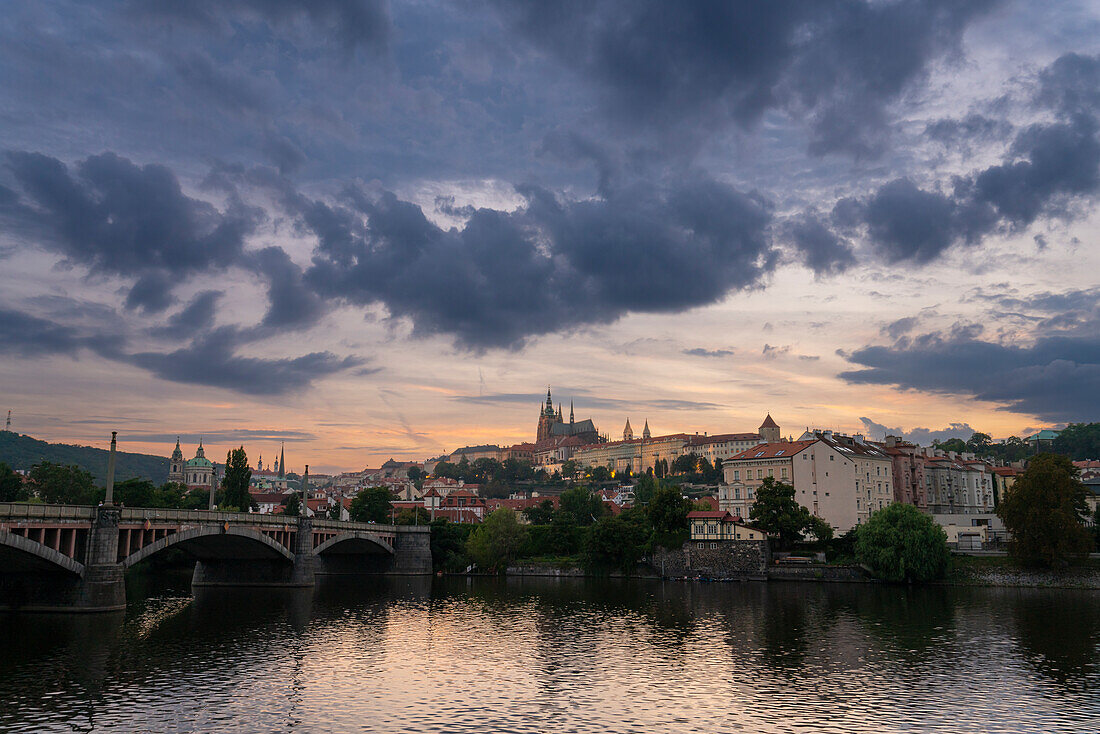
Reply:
x=216, y=542
x=32, y=554
x=357, y=541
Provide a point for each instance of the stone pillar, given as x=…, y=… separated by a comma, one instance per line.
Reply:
x=103, y=587
x=304, y=561
x=412, y=550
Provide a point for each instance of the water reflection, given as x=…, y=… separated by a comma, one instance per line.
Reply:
x=413, y=654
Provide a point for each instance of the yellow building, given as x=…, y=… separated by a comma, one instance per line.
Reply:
x=718, y=525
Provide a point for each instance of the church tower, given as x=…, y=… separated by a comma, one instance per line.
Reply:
x=547, y=418
x=282, y=461
x=628, y=432
x=175, y=464
x=645, y=431
x=769, y=430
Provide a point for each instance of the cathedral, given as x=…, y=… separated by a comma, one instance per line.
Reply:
x=552, y=424
x=196, y=472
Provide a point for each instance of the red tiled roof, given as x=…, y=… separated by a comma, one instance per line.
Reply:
x=709, y=515
x=769, y=423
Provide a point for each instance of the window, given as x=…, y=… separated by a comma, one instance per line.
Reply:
x=701, y=545
x=759, y=473
x=783, y=472
x=771, y=472
x=780, y=452
x=713, y=546
x=736, y=494
x=736, y=475
x=830, y=457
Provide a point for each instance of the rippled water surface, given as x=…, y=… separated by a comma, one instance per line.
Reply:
x=542, y=655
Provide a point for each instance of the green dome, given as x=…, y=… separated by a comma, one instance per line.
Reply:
x=199, y=461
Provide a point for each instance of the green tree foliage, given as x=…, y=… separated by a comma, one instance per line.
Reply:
x=235, y=494
x=686, y=464
x=11, y=485
x=1079, y=441
x=585, y=506
x=979, y=443
x=196, y=499
x=446, y=470
x=569, y=469
x=64, y=485
x=644, y=489
x=659, y=469
x=777, y=511
x=540, y=514
x=335, y=512
x=292, y=506
x=667, y=512
x=416, y=476
x=952, y=444
x=820, y=529
x=449, y=545
x=371, y=505
x=1043, y=512
x=414, y=516
x=496, y=542
x=599, y=473
x=136, y=493
x=901, y=543
x=616, y=542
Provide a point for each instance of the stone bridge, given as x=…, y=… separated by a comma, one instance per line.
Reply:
x=69, y=558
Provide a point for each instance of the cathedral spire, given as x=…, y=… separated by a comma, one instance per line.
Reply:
x=282, y=461
x=628, y=432
x=645, y=431
x=570, y=412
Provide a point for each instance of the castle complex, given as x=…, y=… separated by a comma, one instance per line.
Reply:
x=553, y=425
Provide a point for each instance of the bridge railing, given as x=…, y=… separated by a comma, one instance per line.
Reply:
x=38, y=511
x=141, y=514
x=340, y=525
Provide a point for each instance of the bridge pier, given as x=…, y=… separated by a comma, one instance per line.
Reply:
x=103, y=588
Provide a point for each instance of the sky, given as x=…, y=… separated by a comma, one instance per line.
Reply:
x=373, y=229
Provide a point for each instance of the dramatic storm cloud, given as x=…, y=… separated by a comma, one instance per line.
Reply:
x=367, y=210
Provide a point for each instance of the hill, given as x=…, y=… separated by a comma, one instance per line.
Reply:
x=23, y=452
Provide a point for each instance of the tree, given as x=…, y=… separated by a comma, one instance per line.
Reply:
x=448, y=541
x=820, y=529
x=11, y=485
x=495, y=542
x=979, y=443
x=685, y=464
x=952, y=444
x=63, y=485
x=196, y=499
x=901, y=543
x=1079, y=441
x=292, y=506
x=416, y=476
x=659, y=469
x=540, y=514
x=667, y=512
x=599, y=473
x=777, y=512
x=238, y=474
x=413, y=516
x=371, y=505
x=616, y=542
x=1043, y=512
x=582, y=504
x=569, y=469
x=136, y=493
x=446, y=470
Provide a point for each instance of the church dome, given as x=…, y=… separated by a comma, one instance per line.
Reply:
x=199, y=462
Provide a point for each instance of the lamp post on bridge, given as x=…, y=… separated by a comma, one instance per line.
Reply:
x=109, y=497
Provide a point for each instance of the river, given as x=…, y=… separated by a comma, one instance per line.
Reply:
x=573, y=655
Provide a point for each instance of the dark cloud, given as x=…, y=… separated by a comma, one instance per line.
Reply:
x=223, y=436
x=837, y=63
x=120, y=218
x=974, y=127
x=24, y=335
x=355, y=23
x=553, y=264
x=211, y=360
x=823, y=250
x=919, y=436
x=1055, y=377
x=1071, y=84
x=896, y=329
x=291, y=304
x=283, y=152
x=1049, y=167
x=713, y=353
x=197, y=316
